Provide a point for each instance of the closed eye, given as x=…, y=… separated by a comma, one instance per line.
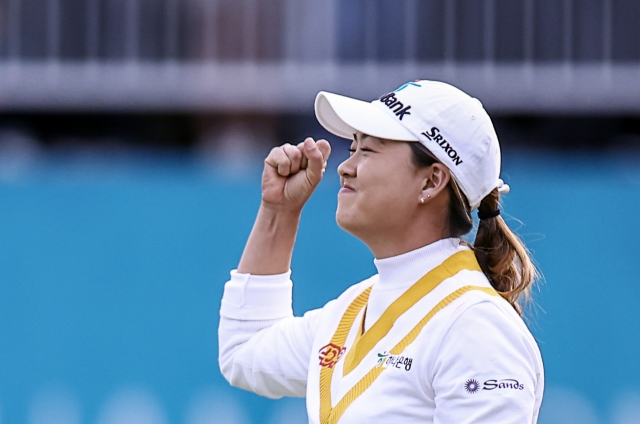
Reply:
x=363, y=149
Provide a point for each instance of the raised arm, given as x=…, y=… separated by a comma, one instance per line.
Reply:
x=291, y=174
x=263, y=348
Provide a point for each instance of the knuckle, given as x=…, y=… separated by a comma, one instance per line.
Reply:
x=296, y=154
x=273, y=154
x=278, y=152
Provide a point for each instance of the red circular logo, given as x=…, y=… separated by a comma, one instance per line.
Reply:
x=330, y=354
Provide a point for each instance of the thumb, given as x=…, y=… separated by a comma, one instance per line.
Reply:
x=315, y=155
x=325, y=148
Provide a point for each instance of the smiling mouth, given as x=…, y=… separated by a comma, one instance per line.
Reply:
x=346, y=188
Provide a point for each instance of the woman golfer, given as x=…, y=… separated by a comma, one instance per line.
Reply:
x=436, y=335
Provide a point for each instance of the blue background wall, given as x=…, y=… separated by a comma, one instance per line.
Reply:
x=111, y=277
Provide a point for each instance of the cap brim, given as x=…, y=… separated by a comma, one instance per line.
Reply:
x=344, y=116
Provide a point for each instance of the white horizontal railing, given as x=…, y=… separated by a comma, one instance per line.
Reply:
x=292, y=87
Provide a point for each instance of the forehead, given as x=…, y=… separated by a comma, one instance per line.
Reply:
x=361, y=137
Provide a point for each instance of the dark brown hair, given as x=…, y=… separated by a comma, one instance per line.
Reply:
x=501, y=254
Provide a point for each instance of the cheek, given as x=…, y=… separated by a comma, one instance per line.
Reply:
x=394, y=191
x=385, y=189
x=389, y=194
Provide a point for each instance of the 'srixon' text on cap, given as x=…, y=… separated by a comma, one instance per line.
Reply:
x=434, y=135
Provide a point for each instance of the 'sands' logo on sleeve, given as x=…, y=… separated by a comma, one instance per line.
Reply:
x=330, y=354
x=505, y=383
x=471, y=386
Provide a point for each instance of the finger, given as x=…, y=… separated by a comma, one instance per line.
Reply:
x=295, y=157
x=316, y=161
x=305, y=161
x=325, y=148
x=279, y=160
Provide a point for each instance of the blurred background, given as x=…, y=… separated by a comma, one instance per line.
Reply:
x=131, y=139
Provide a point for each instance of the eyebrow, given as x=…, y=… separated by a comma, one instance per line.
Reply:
x=379, y=140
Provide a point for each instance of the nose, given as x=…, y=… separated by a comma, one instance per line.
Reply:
x=347, y=168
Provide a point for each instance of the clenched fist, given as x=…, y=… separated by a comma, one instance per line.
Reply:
x=291, y=173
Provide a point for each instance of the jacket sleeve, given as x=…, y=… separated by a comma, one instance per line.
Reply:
x=263, y=348
x=486, y=370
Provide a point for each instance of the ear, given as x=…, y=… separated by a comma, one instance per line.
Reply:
x=436, y=180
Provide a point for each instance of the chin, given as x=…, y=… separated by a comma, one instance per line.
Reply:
x=342, y=219
x=349, y=222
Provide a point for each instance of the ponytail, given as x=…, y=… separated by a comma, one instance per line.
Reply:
x=502, y=256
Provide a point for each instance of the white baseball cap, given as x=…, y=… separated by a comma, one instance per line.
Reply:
x=452, y=125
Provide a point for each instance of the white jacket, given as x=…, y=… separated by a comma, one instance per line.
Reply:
x=469, y=360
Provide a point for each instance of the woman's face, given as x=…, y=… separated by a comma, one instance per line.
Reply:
x=381, y=187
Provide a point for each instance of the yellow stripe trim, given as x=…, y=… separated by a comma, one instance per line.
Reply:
x=455, y=263
x=336, y=413
x=339, y=338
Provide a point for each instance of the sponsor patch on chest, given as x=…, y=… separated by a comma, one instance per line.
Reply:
x=388, y=360
x=330, y=354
